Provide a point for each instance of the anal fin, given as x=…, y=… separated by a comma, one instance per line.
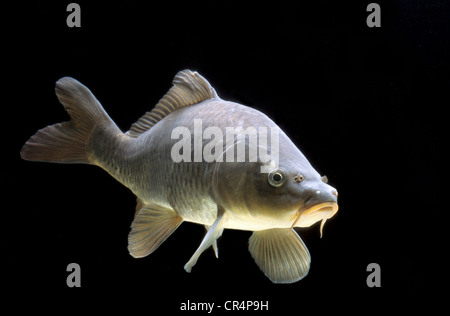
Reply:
x=152, y=225
x=280, y=254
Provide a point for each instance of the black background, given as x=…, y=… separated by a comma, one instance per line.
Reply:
x=365, y=105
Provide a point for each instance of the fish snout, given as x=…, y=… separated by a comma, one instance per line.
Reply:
x=321, y=194
x=321, y=202
x=320, y=206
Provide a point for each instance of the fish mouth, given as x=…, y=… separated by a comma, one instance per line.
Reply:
x=327, y=208
x=322, y=211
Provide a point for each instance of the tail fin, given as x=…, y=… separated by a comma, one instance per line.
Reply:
x=67, y=142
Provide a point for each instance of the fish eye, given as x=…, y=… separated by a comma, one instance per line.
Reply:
x=324, y=179
x=277, y=177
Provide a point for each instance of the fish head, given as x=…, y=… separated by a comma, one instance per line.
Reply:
x=297, y=196
x=284, y=197
x=290, y=193
x=300, y=195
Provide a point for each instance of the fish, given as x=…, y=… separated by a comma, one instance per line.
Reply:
x=184, y=164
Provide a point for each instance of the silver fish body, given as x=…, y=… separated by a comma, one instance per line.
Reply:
x=220, y=194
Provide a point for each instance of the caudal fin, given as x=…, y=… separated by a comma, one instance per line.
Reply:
x=67, y=142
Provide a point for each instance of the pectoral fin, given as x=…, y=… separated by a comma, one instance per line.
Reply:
x=214, y=232
x=216, y=250
x=152, y=225
x=280, y=254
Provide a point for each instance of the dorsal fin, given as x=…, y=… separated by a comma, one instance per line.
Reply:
x=189, y=88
